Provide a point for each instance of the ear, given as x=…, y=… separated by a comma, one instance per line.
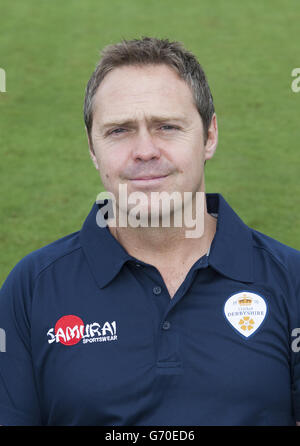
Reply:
x=212, y=138
x=91, y=149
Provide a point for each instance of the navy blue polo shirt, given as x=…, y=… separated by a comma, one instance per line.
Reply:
x=93, y=337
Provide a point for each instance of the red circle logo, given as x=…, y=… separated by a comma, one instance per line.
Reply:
x=69, y=329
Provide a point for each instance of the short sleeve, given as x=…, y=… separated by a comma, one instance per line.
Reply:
x=296, y=375
x=296, y=344
x=296, y=389
x=19, y=402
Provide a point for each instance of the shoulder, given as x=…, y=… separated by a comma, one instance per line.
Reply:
x=33, y=264
x=285, y=257
x=16, y=294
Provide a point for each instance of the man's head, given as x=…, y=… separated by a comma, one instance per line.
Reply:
x=149, y=112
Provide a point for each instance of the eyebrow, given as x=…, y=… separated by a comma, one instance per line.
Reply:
x=125, y=122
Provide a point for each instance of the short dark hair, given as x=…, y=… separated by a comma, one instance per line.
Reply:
x=149, y=51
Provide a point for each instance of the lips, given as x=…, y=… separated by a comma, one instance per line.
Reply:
x=148, y=181
x=148, y=177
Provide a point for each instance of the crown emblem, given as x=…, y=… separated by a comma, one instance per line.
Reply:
x=245, y=301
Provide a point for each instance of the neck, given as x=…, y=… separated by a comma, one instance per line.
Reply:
x=162, y=245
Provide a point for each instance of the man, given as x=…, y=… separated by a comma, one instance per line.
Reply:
x=142, y=325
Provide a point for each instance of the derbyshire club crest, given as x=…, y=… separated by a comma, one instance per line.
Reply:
x=245, y=311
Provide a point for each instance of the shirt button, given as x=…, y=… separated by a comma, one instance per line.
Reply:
x=138, y=265
x=166, y=325
x=157, y=290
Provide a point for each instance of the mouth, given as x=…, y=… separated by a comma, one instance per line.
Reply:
x=148, y=180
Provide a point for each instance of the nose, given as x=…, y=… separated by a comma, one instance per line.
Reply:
x=145, y=147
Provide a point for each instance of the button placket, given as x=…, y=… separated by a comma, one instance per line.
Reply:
x=166, y=325
x=156, y=290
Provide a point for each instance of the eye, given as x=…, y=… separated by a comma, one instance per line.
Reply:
x=117, y=131
x=169, y=127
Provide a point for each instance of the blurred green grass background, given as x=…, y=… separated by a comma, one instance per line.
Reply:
x=49, y=49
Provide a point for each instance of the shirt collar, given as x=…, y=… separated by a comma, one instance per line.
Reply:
x=230, y=253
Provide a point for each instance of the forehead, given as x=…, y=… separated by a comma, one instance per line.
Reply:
x=142, y=89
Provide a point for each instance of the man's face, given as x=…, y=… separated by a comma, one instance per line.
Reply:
x=147, y=132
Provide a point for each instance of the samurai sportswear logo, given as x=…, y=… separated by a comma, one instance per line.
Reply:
x=70, y=330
